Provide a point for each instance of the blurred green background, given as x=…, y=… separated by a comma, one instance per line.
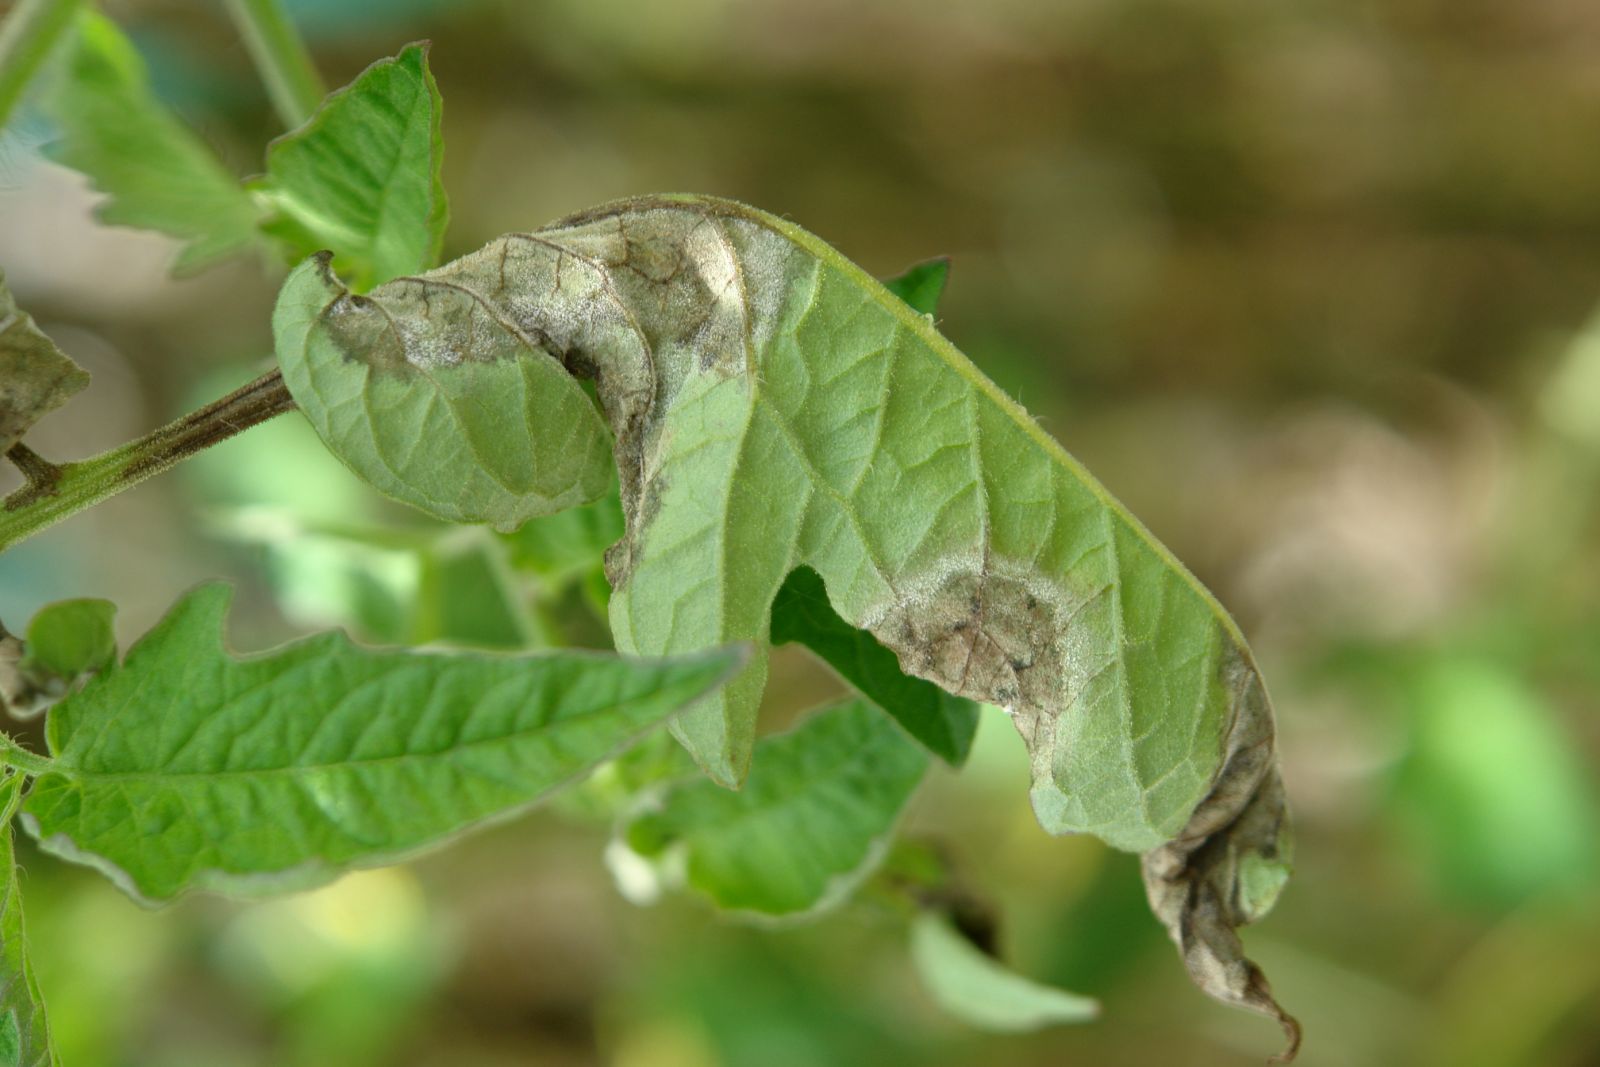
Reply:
x=1308, y=286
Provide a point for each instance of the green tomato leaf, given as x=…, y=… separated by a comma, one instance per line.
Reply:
x=470, y=597
x=189, y=768
x=976, y=989
x=455, y=591
x=563, y=547
x=24, y=1033
x=71, y=637
x=812, y=821
x=487, y=427
x=156, y=173
x=613, y=791
x=921, y=285
x=776, y=407
x=945, y=724
x=362, y=176
x=36, y=377
x=393, y=586
x=361, y=581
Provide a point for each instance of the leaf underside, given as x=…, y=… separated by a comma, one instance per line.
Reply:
x=186, y=767
x=508, y=436
x=775, y=407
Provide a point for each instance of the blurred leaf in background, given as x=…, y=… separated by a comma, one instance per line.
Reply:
x=1491, y=795
x=973, y=986
x=157, y=174
x=338, y=968
x=811, y=822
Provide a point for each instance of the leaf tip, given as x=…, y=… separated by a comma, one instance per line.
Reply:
x=312, y=282
x=1205, y=886
x=1292, y=1036
x=321, y=261
x=413, y=59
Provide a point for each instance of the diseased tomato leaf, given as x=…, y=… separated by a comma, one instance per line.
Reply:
x=774, y=407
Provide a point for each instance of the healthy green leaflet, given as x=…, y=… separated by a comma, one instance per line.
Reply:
x=362, y=176
x=71, y=638
x=186, y=767
x=812, y=821
x=773, y=406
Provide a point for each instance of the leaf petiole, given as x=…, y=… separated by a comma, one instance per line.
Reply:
x=15, y=756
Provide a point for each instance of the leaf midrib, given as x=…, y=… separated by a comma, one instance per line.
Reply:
x=65, y=770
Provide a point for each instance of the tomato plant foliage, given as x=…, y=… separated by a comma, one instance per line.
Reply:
x=783, y=449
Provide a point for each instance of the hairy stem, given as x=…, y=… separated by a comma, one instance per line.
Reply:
x=280, y=55
x=15, y=756
x=53, y=493
x=26, y=39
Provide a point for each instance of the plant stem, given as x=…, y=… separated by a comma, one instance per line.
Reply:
x=26, y=39
x=42, y=475
x=53, y=493
x=280, y=55
x=14, y=755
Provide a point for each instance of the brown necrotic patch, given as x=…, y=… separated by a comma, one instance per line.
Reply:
x=989, y=636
